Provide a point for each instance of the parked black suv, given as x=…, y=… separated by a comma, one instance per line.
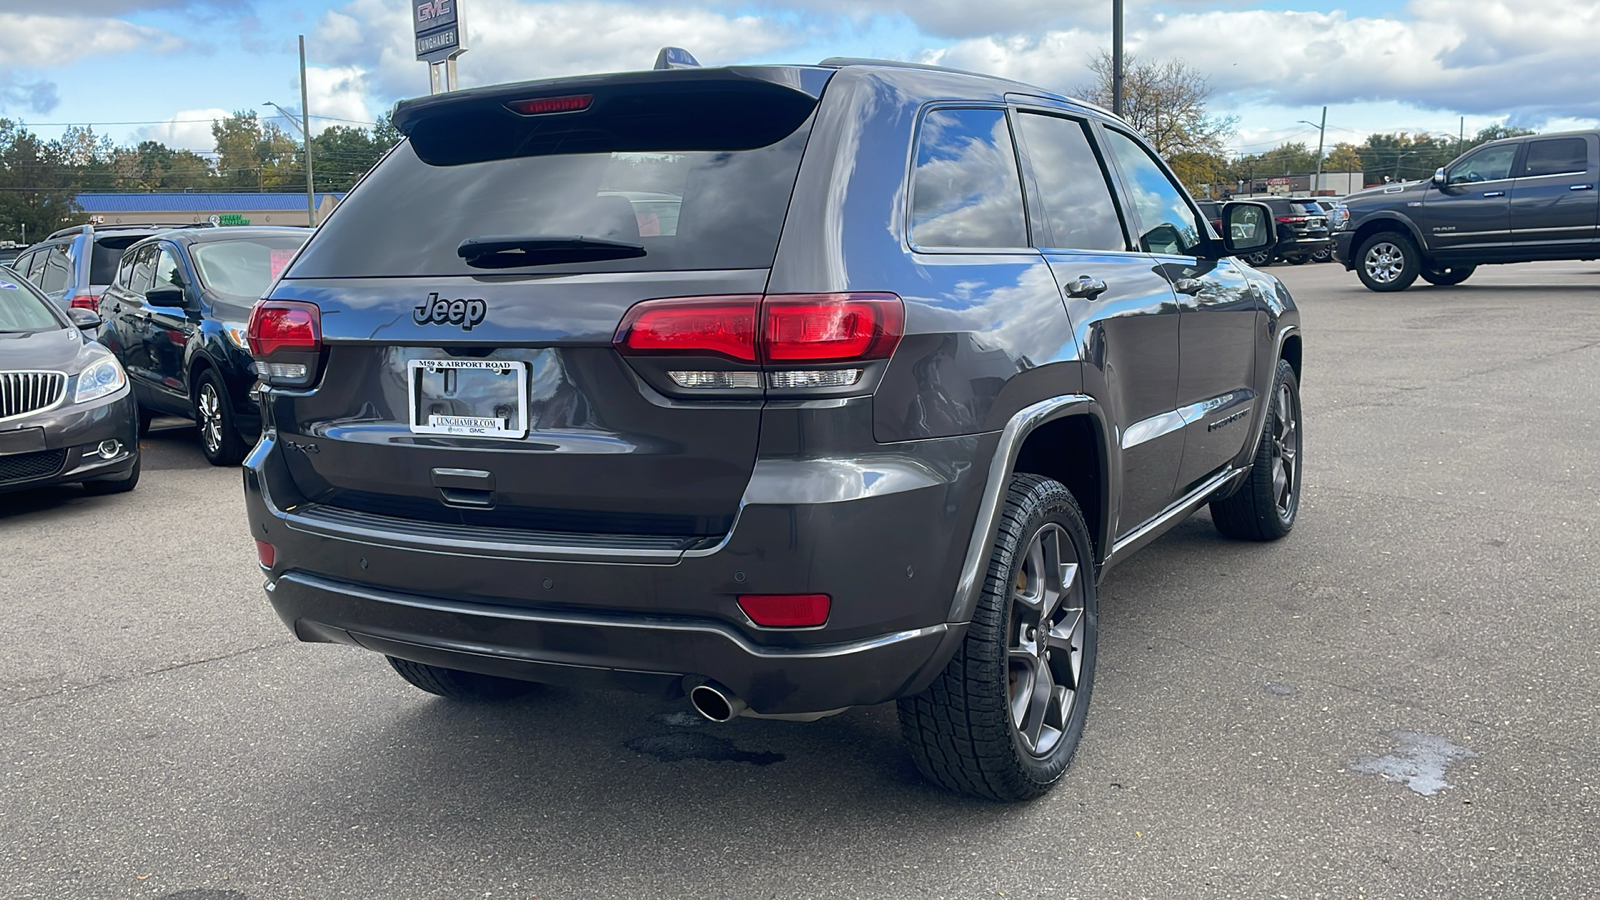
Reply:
x=73, y=266
x=846, y=431
x=1302, y=227
x=175, y=316
x=1513, y=200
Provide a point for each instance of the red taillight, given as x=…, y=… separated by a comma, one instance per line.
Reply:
x=85, y=301
x=830, y=327
x=541, y=105
x=786, y=610
x=811, y=328
x=266, y=554
x=692, y=326
x=284, y=324
x=1291, y=219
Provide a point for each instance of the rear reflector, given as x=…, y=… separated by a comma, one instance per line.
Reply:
x=830, y=327
x=820, y=378
x=692, y=326
x=284, y=325
x=544, y=105
x=266, y=554
x=85, y=301
x=786, y=610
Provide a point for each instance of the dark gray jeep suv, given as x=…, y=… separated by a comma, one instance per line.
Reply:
x=788, y=388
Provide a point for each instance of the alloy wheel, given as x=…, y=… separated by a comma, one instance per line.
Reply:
x=209, y=406
x=1285, y=453
x=1384, y=262
x=1045, y=644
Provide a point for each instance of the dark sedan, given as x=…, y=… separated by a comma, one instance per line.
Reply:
x=66, y=414
x=175, y=315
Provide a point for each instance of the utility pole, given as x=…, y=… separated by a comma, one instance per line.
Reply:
x=1116, y=57
x=1322, y=133
x=305, y=132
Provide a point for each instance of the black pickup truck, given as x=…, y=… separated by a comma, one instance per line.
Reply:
x=1519, y=199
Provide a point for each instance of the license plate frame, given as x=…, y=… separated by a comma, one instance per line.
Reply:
x=462, y=425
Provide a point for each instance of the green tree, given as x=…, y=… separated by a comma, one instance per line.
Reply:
x=38, y=186
x=255, y=157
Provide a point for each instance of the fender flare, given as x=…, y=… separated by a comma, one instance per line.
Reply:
x=1405, y=223
x=1001, y=465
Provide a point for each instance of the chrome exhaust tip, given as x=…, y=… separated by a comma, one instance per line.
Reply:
x=715, y=703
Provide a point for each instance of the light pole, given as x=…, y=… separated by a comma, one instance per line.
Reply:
x=1116, y=57
x=1322, y=131
x=304, y=127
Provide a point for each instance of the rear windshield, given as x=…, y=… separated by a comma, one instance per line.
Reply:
x=1307, y=208
x=702, y=208
x=243, y=268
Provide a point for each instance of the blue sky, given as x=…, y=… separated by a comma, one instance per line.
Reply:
x=163, y=68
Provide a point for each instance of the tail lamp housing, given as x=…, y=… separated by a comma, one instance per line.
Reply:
x=285, y=338
x=749, y=343
x=85, y=301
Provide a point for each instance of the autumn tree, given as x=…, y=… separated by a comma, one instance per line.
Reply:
x=1166, y=102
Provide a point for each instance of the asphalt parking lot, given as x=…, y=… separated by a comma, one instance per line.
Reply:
x=1399, y=700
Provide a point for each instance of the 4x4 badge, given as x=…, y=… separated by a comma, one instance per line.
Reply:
x=436, y=311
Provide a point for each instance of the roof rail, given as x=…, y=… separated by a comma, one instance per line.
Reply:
x=839, y=62
x=130, y=226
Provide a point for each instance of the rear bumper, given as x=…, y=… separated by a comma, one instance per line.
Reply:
x=882, y=536
x=61, y=443
x=649, y=654
x=1303, y=246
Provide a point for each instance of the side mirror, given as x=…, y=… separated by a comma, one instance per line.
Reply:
x=1438, y=177
x=166, y=295
x=85, y=319
x=1247, y=228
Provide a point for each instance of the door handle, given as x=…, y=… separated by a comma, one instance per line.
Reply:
x=1494, y=193
x=1086, y=287
x=1190, y=286
x=1581, y=187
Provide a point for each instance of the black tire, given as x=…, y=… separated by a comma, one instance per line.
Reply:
x=457, y=685
x=1299, y=260
x=145, y=418
x=1259, y=260
x=964, y=731
x=213, y=413
x=1322, y=256
x=1388, y=261
x=1448, y=275
x=117, y=486
x=1263, y=509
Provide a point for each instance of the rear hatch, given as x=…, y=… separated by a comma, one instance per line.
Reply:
x=470, y=287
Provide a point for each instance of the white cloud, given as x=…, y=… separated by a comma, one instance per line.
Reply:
x=517, y=41
x=1488, y=58
x=188, y=130
x=62, y=40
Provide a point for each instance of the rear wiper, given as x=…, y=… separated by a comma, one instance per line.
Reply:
x=507, y=251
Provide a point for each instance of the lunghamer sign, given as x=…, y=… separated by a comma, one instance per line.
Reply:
x=437, y=26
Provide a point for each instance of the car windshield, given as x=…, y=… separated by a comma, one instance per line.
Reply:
x=22, y=308
x=243, y=268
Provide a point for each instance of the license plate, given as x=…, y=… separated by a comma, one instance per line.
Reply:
x=469, y=397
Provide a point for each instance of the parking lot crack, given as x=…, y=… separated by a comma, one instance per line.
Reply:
x=150, y=673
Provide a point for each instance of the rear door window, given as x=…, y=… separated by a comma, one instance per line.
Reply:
x=1557, y=156
x=965, y=190
x=144, y=268
x=1074, y=193
x=696, y=208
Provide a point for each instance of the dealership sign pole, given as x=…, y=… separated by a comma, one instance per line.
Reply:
x=441, y=37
